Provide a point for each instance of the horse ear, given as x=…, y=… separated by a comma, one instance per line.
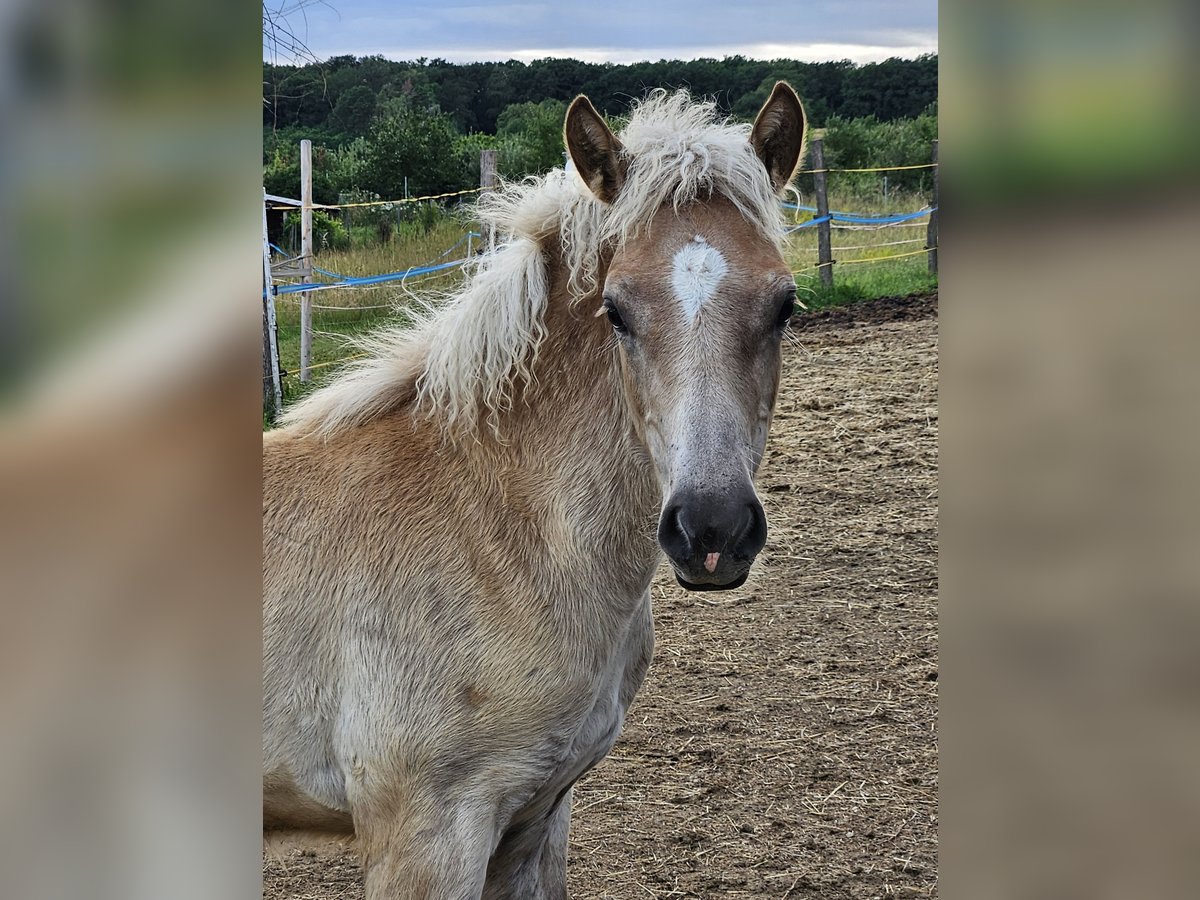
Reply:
x=594, y=150
x=778, y=134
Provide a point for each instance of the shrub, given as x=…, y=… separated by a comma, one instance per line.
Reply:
x=867, y=143
x=328, y=232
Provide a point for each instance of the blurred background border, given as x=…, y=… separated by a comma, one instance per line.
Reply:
x=129, y=350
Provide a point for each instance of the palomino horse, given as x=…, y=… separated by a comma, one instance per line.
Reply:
x=460, y=532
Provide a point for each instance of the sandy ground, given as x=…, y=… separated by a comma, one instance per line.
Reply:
x=784, y=744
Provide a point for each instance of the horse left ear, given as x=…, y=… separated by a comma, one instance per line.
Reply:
x=594, y=149
x=778, y=134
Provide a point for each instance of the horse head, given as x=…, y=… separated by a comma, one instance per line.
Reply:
x=698, y=302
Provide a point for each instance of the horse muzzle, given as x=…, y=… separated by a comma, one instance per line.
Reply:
x=711, y=541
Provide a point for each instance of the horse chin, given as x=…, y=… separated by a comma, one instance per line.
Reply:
x=692, y=586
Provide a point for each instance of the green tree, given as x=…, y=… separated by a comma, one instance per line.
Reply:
x=513, y=157
x=750, y=103
x=348, y=166
x=413, y=143
x=476, y=94
x=281, y=174
x=866, y=142
x=539, y=127
x=355, y=109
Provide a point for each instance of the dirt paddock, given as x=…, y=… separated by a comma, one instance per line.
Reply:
x=784, y=744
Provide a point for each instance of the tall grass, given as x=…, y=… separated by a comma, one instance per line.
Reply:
x=360, y=309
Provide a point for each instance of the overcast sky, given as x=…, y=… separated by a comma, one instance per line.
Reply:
x=618, y=31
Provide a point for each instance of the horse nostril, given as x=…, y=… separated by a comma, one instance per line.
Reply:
x=753, y=534
x=673, y=534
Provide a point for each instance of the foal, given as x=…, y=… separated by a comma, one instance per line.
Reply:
x=460, y=532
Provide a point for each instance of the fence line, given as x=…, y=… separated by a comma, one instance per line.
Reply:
x=871, y=259
x=272, y=390
x=824, y=236
x=931, y=233
x=877, y=227
x=825, y=216
x=930, y=165
x=332, y=362
x=294, y=205
x=819, y=220
x=366, y=281
x=288, y=259
x=884, y=244
x=838, y=216
x=824, y=220
x=283, y=253
x=344, y=308
x=306, y=251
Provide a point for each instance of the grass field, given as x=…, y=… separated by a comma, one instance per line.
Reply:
x=361, y=309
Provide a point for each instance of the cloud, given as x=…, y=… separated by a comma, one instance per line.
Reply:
x=859, y=53
x=623, y=31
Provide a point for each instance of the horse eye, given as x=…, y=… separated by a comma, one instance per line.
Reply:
x=785, y=312
x=614, y=317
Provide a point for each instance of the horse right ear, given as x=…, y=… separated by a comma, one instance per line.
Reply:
x=594, y=150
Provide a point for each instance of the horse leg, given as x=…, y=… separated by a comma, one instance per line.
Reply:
x=532, y=864
x=552, y=868
x=424, y=858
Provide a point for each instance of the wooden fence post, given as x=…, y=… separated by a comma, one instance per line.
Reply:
x=306, y=257
x=272, y=391
x=824, y=251
x=931, y=233
x=487, y=181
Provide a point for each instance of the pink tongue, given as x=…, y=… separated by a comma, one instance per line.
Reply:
x=710, y=561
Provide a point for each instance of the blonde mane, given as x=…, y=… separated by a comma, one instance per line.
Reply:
x=465, y=359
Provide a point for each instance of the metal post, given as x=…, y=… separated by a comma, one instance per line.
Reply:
x=306, y=257
x=824, y=251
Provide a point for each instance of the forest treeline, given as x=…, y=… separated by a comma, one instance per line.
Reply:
x=337, y=99
x=386, y=130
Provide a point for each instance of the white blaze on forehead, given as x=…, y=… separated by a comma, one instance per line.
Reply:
x=696, y=274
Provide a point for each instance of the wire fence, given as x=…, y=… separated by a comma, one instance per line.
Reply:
x=286, y=204
x=821, y=221
x=415, y=273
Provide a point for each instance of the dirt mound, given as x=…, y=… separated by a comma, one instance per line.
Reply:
x=870, y=312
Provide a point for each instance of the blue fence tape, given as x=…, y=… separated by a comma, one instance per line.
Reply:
x=880, y=220
x=329, y=274
x=341, y=280
x=809, y=223
x=837, y=216
x=366, y=280
x=459, y=242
